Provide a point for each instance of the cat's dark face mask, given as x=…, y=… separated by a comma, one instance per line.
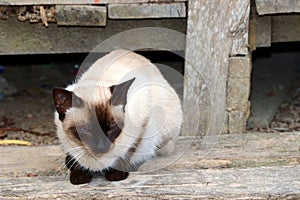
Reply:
x=99, y=131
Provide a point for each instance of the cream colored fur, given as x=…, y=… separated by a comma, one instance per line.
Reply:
x=153, y=109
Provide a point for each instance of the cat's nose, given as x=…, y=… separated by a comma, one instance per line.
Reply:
x=99, y=143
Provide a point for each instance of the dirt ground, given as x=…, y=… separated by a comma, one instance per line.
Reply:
x=287, y=117
x=30, y=106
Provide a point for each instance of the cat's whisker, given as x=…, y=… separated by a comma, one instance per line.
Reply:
x=79, y=148
x=79, y=156
x=74, y=157
x=56, y=157
x=59, y=157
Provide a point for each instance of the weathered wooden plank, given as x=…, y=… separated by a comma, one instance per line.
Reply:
x=212, y=35
x=254, y=183
x=26, y=160
x=239, y=31
x=219, y=151
x=252, y=28
x=20, y=38
x=263, y=31
x=286, y=28
x=79, y=15
x=54, y=2
x=236, y=166
x=277, y=6
x=273, y=29
x=152, y=10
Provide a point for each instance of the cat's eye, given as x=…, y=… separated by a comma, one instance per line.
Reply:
x=86, y=130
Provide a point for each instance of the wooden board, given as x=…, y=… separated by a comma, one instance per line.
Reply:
x=273, y=29
x=251, y=166
x=213, y=35
x=263, y=31
x=255, y=183
x=277, y=6
x=210, y=152
x=286, y=28
x=149, y=10
x=81, y=15
x=55, y=2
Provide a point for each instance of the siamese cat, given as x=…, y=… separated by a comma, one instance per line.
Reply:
x=120, y=113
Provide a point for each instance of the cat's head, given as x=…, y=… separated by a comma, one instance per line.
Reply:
x=92, y=120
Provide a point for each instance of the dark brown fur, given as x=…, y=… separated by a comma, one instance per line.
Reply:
x=80, y=176
x=115, y=175
x=102, y=126
x=64, y=100
x=107, y=122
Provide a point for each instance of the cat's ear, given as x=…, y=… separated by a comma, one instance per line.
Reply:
x=63, y=100
x=119, y=92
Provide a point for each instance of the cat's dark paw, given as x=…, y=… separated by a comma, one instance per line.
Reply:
x=116, y=175
x=80, y=176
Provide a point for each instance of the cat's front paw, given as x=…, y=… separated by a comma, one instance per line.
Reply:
x=80, y=176
x=116, y=175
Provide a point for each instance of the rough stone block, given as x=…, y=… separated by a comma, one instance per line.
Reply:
x=237, y=122
x=238, y=91
x=239, y=67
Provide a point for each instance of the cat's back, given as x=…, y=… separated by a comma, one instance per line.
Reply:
x=120, y=65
